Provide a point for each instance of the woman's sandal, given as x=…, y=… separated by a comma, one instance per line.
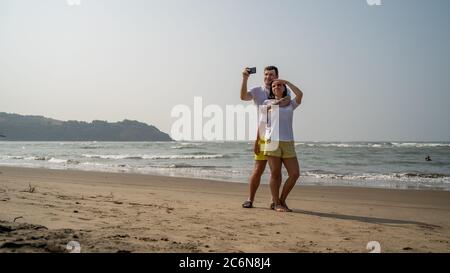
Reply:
x=286, y=207
x=247, y=204
x=282, y=208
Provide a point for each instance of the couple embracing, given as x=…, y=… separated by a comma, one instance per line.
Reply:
x=275, y=138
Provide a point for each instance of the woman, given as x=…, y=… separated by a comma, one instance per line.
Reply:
x=280, y=147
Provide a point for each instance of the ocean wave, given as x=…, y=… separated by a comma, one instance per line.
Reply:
x=115, y=157
x=154, y=157
x=374, y=145
x=403, y=177
x=105, y=156
x=180, y=165
x=63, y=161
x=16, y=157
x=189, y=166
x=49, y=159
x=181, y=147
x=42, y=158
x=57, y=160
x=339, y=145
x=73, y=161
x=211, y=156
x=184, y=145
x=192, y=143
x=95, y=164
x=199, y=153
x=420, y=145
x=423, y=175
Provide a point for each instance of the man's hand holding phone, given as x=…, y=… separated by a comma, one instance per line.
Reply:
x=251, y=70
x=248, y=71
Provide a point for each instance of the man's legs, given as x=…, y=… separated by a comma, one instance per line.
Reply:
x=255, y=180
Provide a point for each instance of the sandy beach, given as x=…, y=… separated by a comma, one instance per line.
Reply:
x=41, y=210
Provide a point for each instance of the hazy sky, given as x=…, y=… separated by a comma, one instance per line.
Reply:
x=367, y=72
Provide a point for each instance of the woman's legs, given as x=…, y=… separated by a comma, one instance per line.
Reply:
x=275, y=178
x=293, y=170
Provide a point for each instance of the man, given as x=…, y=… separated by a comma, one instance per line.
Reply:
x=258, y=95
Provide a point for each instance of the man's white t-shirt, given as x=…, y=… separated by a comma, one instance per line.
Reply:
x=279, y=121
x=259, y=94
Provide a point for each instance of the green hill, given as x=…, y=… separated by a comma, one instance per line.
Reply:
x=39, y=128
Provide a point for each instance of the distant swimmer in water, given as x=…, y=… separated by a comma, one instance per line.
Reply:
x=428, y=158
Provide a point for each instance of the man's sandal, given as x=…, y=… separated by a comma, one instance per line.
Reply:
x=247, y=204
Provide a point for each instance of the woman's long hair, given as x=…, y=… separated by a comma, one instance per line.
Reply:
x=272, y=95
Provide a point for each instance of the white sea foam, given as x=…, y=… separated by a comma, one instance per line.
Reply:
x=154, y=157
x=374, y=145
x=57, y=160
x=402, y=177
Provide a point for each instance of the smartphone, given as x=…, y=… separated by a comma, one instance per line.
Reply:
x=251, y=70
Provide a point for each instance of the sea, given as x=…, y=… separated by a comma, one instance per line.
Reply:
x=399, y=165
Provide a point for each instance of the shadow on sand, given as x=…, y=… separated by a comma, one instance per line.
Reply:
x=370, y=220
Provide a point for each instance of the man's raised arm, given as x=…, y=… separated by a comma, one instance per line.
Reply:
x=245, y=95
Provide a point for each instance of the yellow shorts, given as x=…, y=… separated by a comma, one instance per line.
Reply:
x=283, y=149
x=261, y=156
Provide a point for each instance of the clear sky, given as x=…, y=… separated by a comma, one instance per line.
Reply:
x=369, y=73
